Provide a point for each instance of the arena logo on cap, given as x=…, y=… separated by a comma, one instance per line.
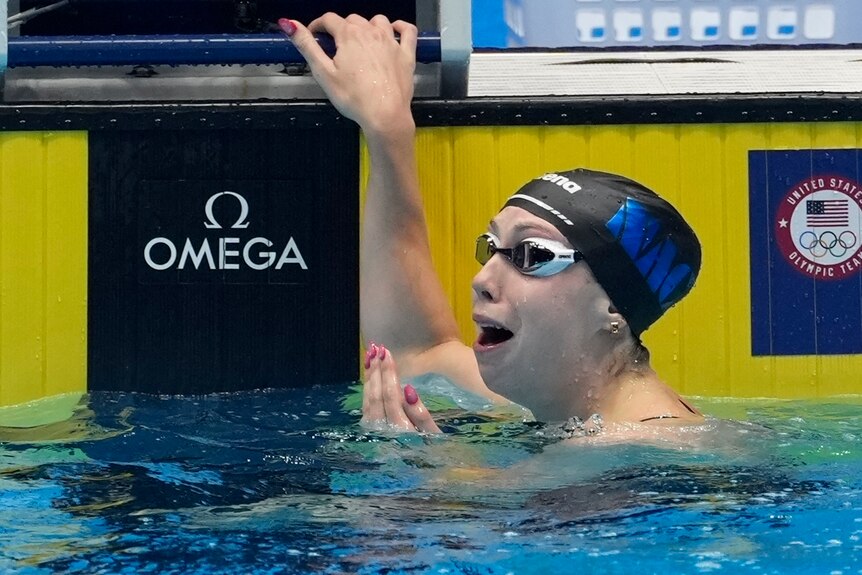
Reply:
x=817, y=227
x=562, y=181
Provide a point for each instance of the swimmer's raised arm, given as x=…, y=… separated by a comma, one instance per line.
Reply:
x=402, y=303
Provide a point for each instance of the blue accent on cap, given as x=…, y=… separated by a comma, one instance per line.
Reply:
x=643, y=237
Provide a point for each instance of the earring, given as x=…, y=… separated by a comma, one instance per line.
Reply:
x=615, y=327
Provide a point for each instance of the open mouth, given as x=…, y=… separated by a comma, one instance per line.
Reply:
x=491, y=335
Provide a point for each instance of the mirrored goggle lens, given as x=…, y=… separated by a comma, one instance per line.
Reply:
x=526, y=255
x=485, y=248
x=529, y=255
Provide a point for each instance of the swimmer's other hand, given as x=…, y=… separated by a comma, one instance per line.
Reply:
x=385, y=404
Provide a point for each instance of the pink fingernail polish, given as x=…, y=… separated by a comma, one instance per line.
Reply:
x=287, y=26
x=410, y=394
x=373, y=352
x=367, y=360
x=382, y=353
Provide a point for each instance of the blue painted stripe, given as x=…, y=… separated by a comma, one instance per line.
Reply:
x=761, y=325
x=787, y=30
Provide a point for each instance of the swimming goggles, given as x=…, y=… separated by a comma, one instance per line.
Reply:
x=531, y=256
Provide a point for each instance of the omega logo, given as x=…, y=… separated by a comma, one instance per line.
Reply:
x=241, y=222
x=228, y=253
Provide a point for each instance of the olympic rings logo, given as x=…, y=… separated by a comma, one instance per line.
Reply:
x=827, y=242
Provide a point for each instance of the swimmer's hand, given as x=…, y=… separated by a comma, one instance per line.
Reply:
x=385, y=405
x=370, y=78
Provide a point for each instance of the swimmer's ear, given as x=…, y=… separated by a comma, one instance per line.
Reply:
x=617, y=324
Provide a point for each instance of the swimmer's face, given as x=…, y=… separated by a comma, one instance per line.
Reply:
x=537, y=336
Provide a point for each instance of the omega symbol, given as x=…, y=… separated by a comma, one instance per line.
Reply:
x=241, y=222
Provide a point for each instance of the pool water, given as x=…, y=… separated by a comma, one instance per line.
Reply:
x=286, y=482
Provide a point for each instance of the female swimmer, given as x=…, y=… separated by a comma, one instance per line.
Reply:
x=575, y=266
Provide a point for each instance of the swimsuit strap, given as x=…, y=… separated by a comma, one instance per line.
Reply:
x=684, y=404
x=660, y=417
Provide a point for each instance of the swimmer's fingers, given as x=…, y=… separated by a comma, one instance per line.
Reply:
x=419, y=415
x=409, y=34
x=393, y=402
x=321, y=65
x=384, y=404
x=373, y=412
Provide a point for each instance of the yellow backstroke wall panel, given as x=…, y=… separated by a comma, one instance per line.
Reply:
x=703, y=345
x=702, y=203
x=43, y=264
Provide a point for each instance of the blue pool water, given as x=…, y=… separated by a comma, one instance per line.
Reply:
x=285, y=482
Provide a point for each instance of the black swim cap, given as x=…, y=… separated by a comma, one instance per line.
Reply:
x=639, y=248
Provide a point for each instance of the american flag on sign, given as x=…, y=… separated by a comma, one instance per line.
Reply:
x=827, y=213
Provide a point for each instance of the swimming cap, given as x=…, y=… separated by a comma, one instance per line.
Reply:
x=639, y=248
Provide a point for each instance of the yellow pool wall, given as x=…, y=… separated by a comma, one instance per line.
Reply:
x=702, y=346
x=43, y=264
